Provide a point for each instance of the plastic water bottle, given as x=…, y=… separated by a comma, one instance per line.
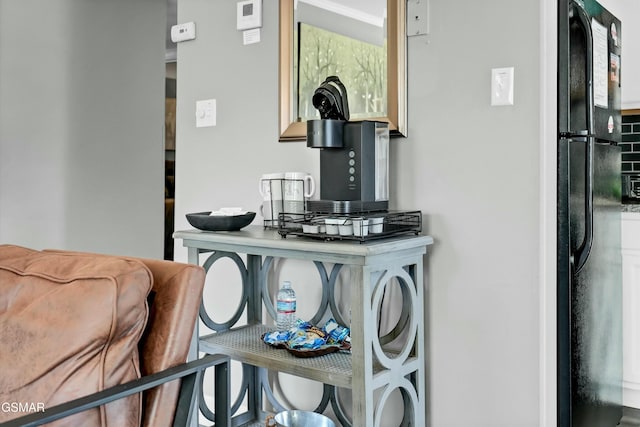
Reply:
x=285, y=307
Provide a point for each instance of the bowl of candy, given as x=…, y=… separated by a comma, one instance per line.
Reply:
x=225, y=219
x=307, y=340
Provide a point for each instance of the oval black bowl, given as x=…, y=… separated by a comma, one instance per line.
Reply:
x=207, y=222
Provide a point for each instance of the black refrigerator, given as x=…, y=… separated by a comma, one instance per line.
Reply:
x=589, y=285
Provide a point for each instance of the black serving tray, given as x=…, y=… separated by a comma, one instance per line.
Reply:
x=394, y=223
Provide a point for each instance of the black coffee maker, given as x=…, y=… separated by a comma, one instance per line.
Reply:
x=354, y=156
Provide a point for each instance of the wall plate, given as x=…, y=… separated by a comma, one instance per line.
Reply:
x=182, y=32
x=249, y=14
x=502, y=86
x=417, y=17
x=206, y=113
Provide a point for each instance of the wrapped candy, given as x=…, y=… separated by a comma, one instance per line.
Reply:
x=276, y=337
x=337, y=333
x=305, y=336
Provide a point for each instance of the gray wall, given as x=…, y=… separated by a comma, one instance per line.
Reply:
x=473, y=169
x=81, y=125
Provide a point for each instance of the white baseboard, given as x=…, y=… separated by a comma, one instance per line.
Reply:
x=630, y=395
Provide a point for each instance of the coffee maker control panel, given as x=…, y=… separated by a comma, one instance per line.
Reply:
x=357, y=169
x=352, y=169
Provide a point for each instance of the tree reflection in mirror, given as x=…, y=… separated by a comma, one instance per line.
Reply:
x=361, y=66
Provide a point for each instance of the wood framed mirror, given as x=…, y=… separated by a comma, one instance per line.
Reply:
x=364, y=46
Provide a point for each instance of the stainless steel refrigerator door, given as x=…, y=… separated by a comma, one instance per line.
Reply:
x=596, y=291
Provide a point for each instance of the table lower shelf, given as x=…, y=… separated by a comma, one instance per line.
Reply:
x=244, y=344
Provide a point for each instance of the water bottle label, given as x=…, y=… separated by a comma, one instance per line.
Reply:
x=286, y=306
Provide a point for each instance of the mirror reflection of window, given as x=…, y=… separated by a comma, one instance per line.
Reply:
x=345, y=42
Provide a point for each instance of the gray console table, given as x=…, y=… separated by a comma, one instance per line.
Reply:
x=369, y=367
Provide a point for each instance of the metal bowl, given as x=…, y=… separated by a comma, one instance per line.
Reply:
x=302, y=419
x=207, y=222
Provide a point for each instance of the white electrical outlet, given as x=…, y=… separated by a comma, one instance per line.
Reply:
x=502, y=86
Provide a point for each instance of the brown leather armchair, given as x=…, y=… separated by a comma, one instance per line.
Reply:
x=99, y=340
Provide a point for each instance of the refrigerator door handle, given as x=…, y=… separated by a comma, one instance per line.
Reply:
x=580, y=255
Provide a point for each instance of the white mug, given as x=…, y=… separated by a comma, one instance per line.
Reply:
x=270, y=187
x=298, y=186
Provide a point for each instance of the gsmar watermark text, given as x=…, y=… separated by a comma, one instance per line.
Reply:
x=21, y=407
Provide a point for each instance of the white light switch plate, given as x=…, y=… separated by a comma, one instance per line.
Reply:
x=502, y=86
x=205, y=113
